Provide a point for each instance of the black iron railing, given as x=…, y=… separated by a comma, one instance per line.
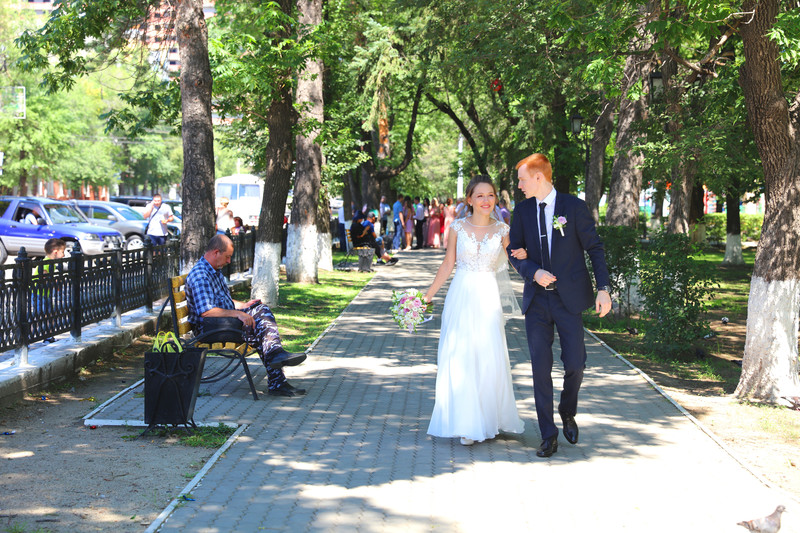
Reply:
x=43, y=298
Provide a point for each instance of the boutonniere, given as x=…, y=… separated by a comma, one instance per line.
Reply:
x=559, y=223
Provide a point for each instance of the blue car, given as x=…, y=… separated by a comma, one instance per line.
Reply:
x=53, y=218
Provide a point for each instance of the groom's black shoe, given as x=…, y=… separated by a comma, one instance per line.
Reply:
x=570, y=427
x=548, y=447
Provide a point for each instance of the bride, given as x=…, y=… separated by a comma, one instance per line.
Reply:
x=474, y=395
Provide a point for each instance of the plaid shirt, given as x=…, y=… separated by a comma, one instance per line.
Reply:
x=206, y=289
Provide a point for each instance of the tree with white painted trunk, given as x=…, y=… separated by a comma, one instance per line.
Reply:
x=770, y=365
x=302, y=244
x=256, y=57
x=281, y=119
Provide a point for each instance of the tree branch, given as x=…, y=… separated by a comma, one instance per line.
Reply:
x=462, y=128
x=385, y=172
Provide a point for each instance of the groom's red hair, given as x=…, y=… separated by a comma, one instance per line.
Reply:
x=537, y=163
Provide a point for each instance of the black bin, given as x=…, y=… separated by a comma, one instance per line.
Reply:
x=171, y=383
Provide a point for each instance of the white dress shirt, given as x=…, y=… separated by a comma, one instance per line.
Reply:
x=549, y=212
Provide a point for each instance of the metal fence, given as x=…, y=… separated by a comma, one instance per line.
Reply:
x=43, y=298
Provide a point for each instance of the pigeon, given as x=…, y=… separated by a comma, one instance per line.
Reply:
x=725, y=320
x=794, y=401
x=768, y=524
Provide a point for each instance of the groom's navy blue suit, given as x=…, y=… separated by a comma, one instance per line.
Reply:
x=562, y=306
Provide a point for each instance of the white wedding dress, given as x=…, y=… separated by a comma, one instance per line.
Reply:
x=474, y=394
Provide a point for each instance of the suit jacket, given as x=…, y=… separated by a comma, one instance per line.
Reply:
x=566, y=252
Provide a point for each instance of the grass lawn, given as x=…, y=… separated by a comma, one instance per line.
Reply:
x=304, y=311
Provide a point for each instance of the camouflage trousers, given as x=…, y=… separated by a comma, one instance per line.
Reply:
x=266, y=340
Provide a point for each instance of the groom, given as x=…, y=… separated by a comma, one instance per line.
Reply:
x=555, y=229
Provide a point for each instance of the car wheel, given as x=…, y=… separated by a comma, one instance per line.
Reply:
x=134, y=242
x=3, y=254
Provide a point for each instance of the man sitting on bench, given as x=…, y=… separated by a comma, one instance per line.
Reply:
x=362, y=231
x=209, y=297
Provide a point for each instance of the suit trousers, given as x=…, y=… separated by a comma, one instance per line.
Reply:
x=547, y=310
x=420, y=234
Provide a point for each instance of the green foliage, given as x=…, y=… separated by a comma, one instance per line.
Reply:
x=621, y=245
x=152, y=162
x=254, y=53
x=66, y=35
x=716, y=224
x=676, y=290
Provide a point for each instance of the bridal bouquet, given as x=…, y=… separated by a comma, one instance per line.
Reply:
x=409, y=308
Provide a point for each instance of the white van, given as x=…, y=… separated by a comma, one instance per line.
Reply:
x=245, y=192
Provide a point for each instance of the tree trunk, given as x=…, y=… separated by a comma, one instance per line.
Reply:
x=770, y=364
x=561, y=164
x=281, y=118
x=370, y=189
x=355, y=194
x=733, y=230
x=603, y=128
x=278, y=175
x=302, y=245
x=696, y=209
x=197, y=132
x=23, y=175
x=626, y=173
x=324, y=237
x=347, y=197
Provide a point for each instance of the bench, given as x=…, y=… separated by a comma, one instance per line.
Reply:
x=359, y=249
x=235, y=352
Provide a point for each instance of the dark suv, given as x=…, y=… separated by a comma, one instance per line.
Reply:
x=55, y=219
x=122, y=218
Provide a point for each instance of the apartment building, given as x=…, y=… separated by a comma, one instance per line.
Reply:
x=156, y=33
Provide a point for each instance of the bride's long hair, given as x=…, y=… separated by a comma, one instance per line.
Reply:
x=480, y=178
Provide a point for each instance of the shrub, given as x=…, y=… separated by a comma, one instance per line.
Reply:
x=621, y=244
x=675, y=290
x=716, y=227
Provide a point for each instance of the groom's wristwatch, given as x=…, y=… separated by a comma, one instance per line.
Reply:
x=604, y=288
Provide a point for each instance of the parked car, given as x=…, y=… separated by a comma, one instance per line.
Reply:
x=122, y=218
x=55, y=219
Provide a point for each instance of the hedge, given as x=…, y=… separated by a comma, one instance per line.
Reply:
x=716, y=225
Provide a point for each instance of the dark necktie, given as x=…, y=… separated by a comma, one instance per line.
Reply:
x=543, y=238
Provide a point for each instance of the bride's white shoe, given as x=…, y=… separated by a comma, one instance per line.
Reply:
x=467, y=442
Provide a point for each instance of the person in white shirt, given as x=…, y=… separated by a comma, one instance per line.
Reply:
x=224, y=215
x=33, y=217
x=157, y=215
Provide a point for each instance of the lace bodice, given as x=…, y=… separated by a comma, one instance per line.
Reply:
x=479, y=248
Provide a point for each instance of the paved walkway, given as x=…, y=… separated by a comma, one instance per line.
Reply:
x=353, y=455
